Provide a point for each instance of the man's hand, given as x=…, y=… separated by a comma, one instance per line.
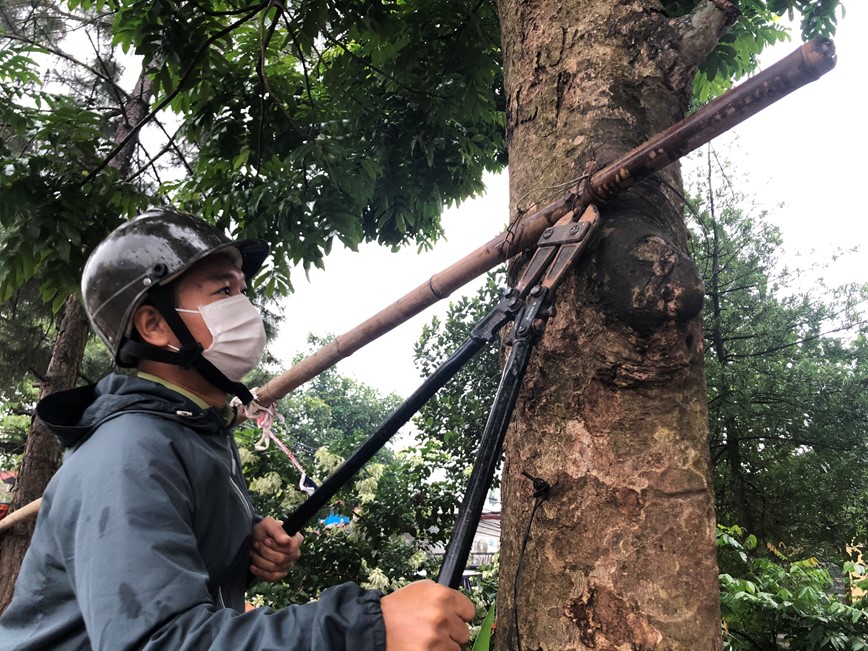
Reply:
x=272, y=550
x=426, y=616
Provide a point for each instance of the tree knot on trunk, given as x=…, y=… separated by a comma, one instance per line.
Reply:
x=672, y=290
x=607, y=622
x=648, y=282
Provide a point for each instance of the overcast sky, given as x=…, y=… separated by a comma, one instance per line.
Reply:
x=806, y=151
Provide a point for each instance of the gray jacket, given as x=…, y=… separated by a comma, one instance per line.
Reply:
x=142, y=540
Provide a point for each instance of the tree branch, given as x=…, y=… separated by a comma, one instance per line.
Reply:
x=782, y=438
x=166, y=100
x=11, y=447
x=701, y=29
x=219, y=14
x=798, y=342
x=385, y=75
x=58, y=53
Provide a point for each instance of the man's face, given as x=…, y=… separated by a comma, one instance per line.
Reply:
x=215, y=278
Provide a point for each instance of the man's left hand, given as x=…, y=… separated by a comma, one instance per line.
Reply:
x=273, y=551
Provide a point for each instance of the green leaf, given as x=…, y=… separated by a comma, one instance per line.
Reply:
x=483, y=639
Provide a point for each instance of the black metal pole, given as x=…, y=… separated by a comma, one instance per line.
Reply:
x=523, y=336
x=330, y=486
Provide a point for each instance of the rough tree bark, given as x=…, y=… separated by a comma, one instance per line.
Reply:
x=613, y=411
x=42, y=450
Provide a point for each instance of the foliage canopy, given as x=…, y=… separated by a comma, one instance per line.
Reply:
x=301, y=124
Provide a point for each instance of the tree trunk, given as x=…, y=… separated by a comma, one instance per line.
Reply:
x=613, y=412
x=42, y=450
x=739, y=488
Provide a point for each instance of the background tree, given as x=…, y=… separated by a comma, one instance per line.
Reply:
x=28, y=329
x=383, y=529
x=25, y=332
x=786, y=368
x=48, y=140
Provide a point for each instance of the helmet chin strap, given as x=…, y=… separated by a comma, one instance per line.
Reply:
x=189, y=355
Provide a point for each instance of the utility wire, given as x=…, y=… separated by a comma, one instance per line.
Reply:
x=540, y=493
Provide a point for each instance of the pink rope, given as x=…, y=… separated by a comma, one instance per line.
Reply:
x=264, y=418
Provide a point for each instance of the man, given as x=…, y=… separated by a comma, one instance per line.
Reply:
x=146, y=538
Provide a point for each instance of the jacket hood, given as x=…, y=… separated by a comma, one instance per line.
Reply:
x=73, y=414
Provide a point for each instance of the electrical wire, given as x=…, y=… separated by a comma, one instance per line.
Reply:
x=540, y=493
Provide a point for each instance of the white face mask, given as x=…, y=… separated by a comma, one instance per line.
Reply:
x=238, y=335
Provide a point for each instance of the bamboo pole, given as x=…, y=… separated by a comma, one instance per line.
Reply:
x=20, y=515
x=804, y=65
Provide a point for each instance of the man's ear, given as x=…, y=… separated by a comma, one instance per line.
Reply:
x=152, y=327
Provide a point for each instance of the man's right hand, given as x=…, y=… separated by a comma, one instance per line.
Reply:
x=426, y=616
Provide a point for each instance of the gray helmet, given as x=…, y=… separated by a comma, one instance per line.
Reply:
x=153, y=248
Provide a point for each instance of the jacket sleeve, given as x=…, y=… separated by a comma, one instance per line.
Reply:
x=124, y=516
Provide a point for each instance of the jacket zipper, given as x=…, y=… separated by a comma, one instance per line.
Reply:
x=233, y=469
